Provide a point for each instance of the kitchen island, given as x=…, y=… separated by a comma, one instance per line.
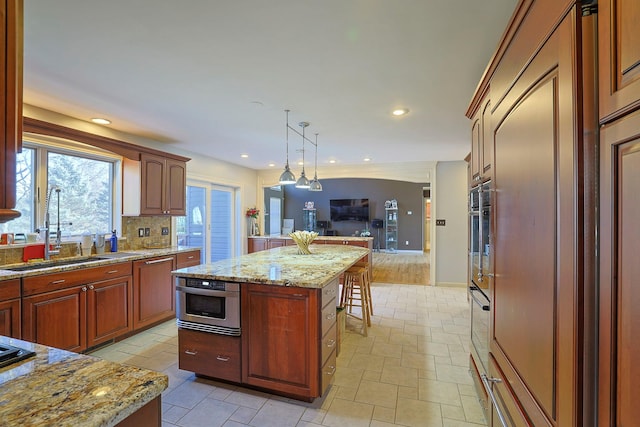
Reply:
x=60, y=388
x=288, y=304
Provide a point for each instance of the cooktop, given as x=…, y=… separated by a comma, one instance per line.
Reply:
x=10, y=354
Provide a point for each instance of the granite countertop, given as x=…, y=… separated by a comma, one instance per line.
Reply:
x=336, y=238
x=92, y=261
x=281, y=266
x=61, y=388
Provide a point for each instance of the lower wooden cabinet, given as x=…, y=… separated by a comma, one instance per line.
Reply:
x=10, y=309
x=82, y=315
x=213, y=355
x=188, y=259
x=153, y=291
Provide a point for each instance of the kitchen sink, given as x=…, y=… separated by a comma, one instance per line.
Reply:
x=49, y=264
x=111, y=255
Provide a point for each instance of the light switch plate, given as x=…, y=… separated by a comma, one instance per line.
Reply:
x=441, y=222
x=165, y=231
x=140, y=232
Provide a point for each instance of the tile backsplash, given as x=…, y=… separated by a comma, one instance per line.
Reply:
x=131, y=226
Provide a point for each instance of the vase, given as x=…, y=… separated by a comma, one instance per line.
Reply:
x=252, y=226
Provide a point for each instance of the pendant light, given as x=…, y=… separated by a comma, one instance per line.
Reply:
x=315, y=184
x=303, y=182
x=287, y=176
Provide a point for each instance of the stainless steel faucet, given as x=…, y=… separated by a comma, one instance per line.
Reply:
x=47, y=225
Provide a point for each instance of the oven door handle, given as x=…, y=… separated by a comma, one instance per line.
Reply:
x=207, y=292
x=485, y=307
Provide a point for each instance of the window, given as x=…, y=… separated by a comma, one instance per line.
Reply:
x=85, y=178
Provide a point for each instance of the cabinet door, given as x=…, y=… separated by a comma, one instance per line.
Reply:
x=619, y=348
x=175, y=187
x=487, y=141
x=153, y=291
x=11, y=29
x=257, y=244
x=10, y=308
x=57, y=319
x=280, y=339
x=109, y=310
x=152, y=195
x=619, y=57
x=538, y=247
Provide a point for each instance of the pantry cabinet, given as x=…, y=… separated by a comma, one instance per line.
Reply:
x=153, y=291
x=619, y=320
x=10, y=309
x=11, y=60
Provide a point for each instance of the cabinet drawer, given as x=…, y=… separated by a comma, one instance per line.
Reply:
x=328, y=344
x=328, y=318
x=9, y=289
x=216, y=356
x=328, y=372
x=50, y=282
x=187, y=259
x=329, y=292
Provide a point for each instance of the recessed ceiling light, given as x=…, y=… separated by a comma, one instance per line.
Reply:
x=367, y=159
x=300, y=163
x=244, y=156
x=271, y=165
x=400, y=111
x=332, y=161
x=101, y=121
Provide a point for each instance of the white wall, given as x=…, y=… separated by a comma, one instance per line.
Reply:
x=451, y=255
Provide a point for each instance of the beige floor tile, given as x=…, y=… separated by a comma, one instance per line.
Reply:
x=472, y=410
x=347, y=393
x=418, y=413
x=408, y=392
x=372, y=375
x=452, y=373
x=343, y=413
x=439, y=392
x=348, y=377
x=398, y=375
x=376, y=393
x=418, y=361
x=368, y=362
x=386, y=350
x=380, y=413
x=453, y=412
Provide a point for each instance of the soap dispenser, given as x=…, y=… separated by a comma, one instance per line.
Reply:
x=114, y=242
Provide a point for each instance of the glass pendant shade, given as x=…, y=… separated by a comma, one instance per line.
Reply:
x=302, y=182
x=287, y=176
x=315, y=185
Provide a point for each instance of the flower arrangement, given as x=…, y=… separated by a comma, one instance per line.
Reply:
x=252, y=213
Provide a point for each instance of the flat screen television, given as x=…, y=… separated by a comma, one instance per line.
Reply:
x=349, y=209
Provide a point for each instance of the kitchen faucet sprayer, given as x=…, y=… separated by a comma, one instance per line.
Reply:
x=47, y=224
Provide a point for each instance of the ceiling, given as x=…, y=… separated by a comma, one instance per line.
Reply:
x=214, y=77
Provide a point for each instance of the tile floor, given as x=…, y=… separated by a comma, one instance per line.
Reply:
x=412, y=370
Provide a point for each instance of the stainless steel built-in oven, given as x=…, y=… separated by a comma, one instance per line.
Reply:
x=480, y=244
x=208, y=305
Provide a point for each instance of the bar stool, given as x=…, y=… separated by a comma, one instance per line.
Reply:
x=367, y=283
x=355, y=289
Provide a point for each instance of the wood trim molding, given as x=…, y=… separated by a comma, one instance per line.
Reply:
x=125, y=149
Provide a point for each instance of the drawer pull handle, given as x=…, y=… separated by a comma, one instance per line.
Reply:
x=57, y=282
x=191, y=257
x=156, y=261
x=190, y=352
x=486, y=381
x=91, y=287
x=298, y=295
x=112, y=272
x=331, y=316
x=84, y=289
x=331, y=343
x=331, y=371
x=223, y=358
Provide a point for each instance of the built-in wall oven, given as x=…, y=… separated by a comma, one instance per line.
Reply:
x=480, y=277
x=208, y=305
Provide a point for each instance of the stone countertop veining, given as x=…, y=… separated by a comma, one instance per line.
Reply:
x=336, y=238
x=281, y=266
x=93, y=261
x=61, y=388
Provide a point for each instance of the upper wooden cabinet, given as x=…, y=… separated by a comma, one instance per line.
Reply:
x=481, y=142
x=619, y=58
x=11, y=18
x=155, y=185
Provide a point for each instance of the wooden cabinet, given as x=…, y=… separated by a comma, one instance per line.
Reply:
x=76, y=310
x=280, y=339
x=161, y=184
x=188, y=259
x=481, y=142
x=257, y=244
x=10, y=308
x=153, y=291
x=618, y=57
x=11, y=55
x=619, y=348
x=212, y=355
x=277, y=243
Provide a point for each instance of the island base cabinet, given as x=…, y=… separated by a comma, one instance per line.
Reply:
x=212, y=355
x=153, y=291
x=280, y=337
x=10, y=309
